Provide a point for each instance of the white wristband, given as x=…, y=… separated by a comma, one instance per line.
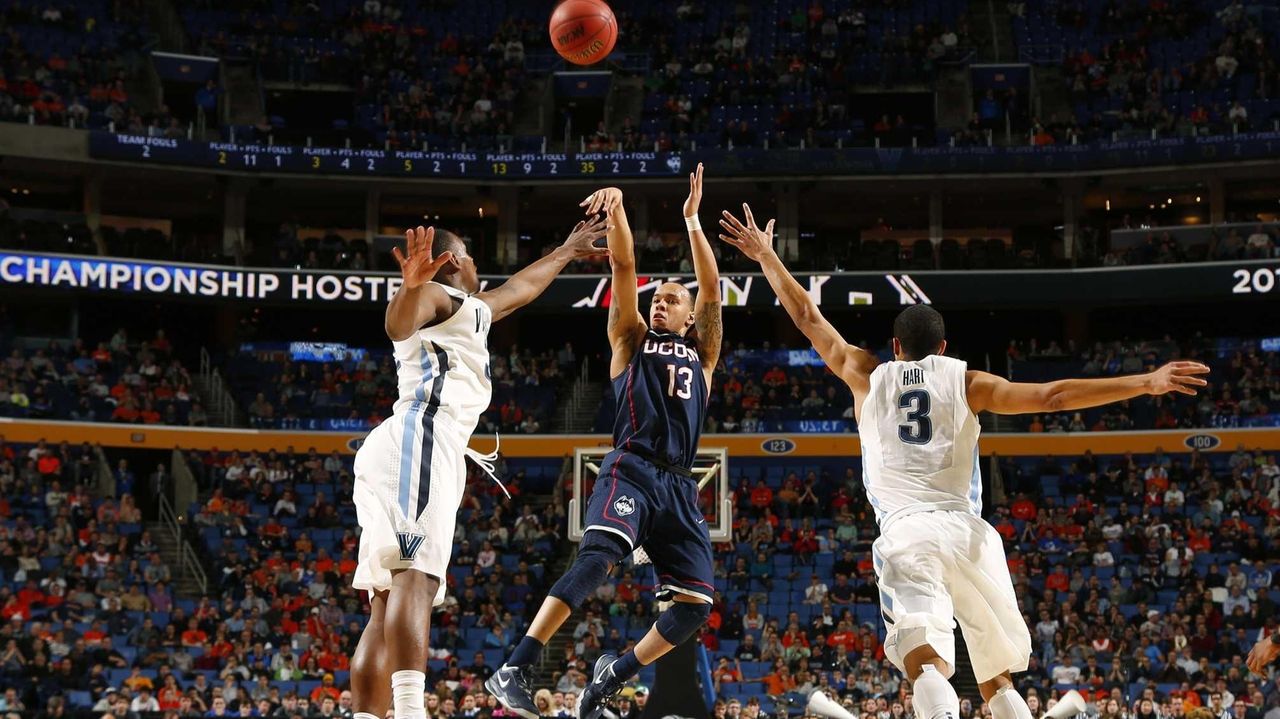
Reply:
x=693, y=223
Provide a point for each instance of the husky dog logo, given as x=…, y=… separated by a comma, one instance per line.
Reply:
x=673, y=163
x=624, y=505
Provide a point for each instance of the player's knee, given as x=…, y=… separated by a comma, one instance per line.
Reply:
x=597, y=555
x=991, y=687
x=917, y=659
x=682, y=620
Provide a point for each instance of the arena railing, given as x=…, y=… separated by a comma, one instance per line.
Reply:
x=186, y=489
x=105, y=486
x=574, y=404
x=1123, y=238
x=188, y=563
x=221, y=403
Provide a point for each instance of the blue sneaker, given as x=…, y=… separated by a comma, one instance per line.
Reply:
x=512, y=686
x=604, y=686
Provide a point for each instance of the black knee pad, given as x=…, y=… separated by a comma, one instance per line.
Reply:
x=682, y=620
x=598, y=553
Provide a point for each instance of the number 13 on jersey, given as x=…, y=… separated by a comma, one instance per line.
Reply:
x=679, y=381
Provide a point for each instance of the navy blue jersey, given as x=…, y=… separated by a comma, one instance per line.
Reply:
x=662, y=400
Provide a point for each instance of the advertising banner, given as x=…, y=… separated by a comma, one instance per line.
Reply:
x=1212, y=281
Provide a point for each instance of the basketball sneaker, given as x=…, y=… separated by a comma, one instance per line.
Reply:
x=512, y=686
x=604, y=686
x=1069, y=705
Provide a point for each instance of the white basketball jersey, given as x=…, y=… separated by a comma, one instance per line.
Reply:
x=919, y=440
x=444, y=369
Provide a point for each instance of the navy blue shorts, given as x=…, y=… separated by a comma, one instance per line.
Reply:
x=656, y=509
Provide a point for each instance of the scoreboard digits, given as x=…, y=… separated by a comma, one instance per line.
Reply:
x=383, y=163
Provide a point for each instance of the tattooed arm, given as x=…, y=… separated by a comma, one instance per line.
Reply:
x=706, y=306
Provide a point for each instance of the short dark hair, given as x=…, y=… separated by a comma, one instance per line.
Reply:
x=920, y=331
x=447, y=240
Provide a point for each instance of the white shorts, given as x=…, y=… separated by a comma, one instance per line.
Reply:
x=938, y=567
x=409, y=478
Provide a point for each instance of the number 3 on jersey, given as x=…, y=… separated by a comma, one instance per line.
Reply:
x=919, y=429
x=686, y=378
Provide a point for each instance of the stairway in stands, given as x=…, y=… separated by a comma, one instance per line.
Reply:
x=554, y=657
x=183, y=585
x=991, y=31
x=579, y=404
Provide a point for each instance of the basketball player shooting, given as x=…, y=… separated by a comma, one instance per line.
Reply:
x=645, y=495
x=411, y=470
x=936, y=560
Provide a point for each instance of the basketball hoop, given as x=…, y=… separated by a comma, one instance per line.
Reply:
x=710, y=465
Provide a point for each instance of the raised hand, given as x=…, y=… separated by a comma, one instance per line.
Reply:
x=582, y=240
x=754, y=242
x=607, y=199
x=1262, y=654
x=695, y=192
x=1182, y=377
x=416, y=264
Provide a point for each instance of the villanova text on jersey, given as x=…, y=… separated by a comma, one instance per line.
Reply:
x=661, y=400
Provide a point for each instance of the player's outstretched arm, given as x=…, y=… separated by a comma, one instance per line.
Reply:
x=524, y=286
x=417, y=303
x=989, y=393
x=706, y=306
x=851, y=363
x=626, y=324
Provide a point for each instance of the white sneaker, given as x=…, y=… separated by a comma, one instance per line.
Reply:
x=1069, y=705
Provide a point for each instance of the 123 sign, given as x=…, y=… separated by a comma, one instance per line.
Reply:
x=778, y=445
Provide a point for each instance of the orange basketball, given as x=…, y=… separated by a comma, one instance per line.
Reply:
x=583, y=31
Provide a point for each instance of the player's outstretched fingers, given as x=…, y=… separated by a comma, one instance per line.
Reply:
x=733, y=223
x=428, y=239
x=597, y=202
x=439, y=262
x=418, y=234
x=732, y=240
x=599, y=232
x=594, y=228
x=1193, y=368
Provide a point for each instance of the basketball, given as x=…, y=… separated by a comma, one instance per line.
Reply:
x=583, y=31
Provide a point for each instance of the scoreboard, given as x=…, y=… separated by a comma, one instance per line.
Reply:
x=417, y=164
x=1258, y=147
